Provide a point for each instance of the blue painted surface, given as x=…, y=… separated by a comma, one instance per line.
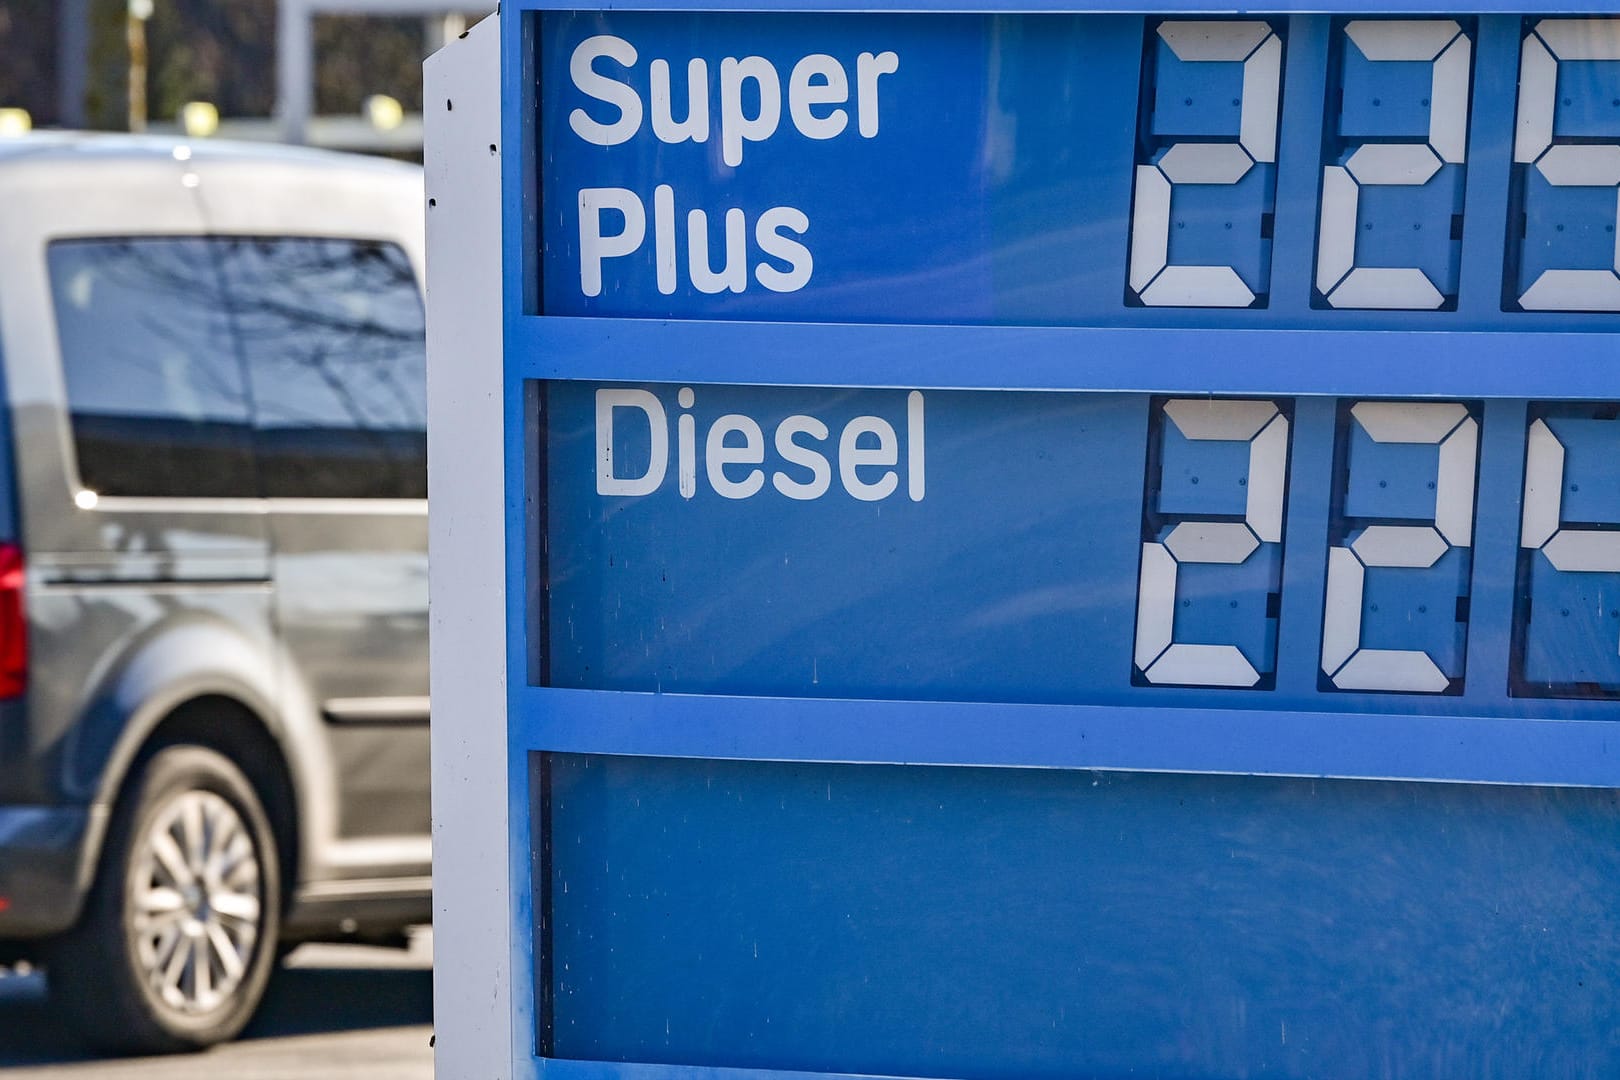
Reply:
x=996, y=923
x=995, y=206
x=1015, y=577
x=1371, y=363
x=997, y=185
x=1446, y=746
x=984, y=590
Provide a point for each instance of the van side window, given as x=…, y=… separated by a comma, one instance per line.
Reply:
x=155, y=390
x=333, y=336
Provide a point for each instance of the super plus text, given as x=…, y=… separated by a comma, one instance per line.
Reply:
x=821, y=96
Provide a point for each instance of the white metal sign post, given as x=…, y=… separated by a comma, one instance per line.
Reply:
x=472, y=939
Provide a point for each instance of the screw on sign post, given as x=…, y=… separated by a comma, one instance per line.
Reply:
x=1014, y=542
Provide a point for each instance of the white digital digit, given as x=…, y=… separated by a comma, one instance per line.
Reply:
x=1442, y=44
x=1350, y=666
x=1584, y=164
x=1155, y=282
x=1572, y=550
x=1160, y=658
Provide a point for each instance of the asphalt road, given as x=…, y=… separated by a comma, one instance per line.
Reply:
x=334, y=1012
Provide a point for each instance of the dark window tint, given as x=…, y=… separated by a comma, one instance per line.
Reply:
x=332, y=332
x=154, y=383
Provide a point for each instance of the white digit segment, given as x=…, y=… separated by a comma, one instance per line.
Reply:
x=1344, y=661
x=1583, y=164
x=1580, y=551
x=1442, y=44
x=1154, y=281
x=1160, y=658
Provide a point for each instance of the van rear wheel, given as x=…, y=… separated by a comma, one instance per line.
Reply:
x=179, y=934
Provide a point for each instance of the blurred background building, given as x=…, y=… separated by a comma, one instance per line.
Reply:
x=345, y=74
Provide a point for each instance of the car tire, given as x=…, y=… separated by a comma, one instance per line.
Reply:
x=179, y=932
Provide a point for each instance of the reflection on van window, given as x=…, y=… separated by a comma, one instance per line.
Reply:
x=332, y=331
x=154, y=383
x=154, y=332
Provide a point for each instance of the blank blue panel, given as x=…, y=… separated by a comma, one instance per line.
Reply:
x=1573, y=633
x=1202, y=476
x=1588, y=99
x=1195, y=97
x=990, y=923
x=1387, y=101
x=1416, y=608
x=1390, y=481
x=1220, y=604
x=1013, y=574
x=1222, y=225
x=1591, y=491
x=1411, y=226
x=1566, y=228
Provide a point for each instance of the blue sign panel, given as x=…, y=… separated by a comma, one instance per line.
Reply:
x=1058, y=543
x=1077, y=170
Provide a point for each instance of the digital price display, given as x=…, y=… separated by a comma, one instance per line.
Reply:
x=725, y=167
x=1153, y=557
x=1198, y=429
x=1289, y=172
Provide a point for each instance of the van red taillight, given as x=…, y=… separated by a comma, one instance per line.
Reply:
x=13, y=623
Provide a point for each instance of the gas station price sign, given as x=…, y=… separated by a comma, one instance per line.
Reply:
x=1081, y=170
x=943, y=445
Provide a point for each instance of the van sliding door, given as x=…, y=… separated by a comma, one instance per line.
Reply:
x=332, y=335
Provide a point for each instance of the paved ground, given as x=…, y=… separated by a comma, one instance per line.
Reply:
x=334, y=1013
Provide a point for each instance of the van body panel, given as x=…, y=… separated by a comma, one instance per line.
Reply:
x=350, y=597
x=309, y=613
x=111, y=652
x=367, y=199
x=351, y=609
x=43, y=873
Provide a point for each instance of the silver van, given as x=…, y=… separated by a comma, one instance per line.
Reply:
x=213, y=571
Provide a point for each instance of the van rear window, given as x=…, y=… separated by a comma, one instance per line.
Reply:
x=334, y=339
x=243, y=366
x=155, y=390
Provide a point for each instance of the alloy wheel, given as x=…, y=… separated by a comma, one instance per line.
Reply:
x=195, y=902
